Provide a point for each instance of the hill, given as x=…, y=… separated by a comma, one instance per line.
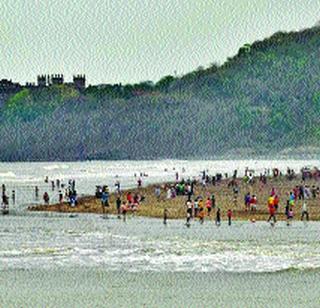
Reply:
x=264, y=101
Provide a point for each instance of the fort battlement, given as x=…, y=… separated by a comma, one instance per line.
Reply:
x=9, y=87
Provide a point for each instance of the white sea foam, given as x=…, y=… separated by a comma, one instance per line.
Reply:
x=8, y=174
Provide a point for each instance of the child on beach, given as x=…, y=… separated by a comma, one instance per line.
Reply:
x=290, y=216
x=253, y=203
x=188, y=220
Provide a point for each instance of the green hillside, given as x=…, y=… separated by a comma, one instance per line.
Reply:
x=265, y=101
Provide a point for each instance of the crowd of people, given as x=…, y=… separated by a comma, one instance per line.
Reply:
x=66, y=192
x=199, y=206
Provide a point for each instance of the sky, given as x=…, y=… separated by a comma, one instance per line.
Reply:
x=128, y=41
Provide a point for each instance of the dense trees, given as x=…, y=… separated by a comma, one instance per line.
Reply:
x=263, y=101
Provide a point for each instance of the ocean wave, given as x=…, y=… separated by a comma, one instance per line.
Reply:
x=55, y=167
x=8, y=174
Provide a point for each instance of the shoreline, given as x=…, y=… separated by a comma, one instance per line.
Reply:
x=153, y=208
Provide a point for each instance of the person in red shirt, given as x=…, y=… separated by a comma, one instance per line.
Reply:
x=129, y=198
x=253, y=203
x=209, y=206
x=276, y=202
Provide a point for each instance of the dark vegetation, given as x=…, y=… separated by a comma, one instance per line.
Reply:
x=264, y=101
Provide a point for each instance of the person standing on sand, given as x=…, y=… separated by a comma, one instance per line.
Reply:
x=229, y=214
x=117, y=184
x=104, y=200
x=253, y=204
x=208, y=206
x=196, y=207
x=290, y=216
x=169, y=193
x=272, y=210
x=247, y=199
x=118, y=205
x=213, y=201
x=124, y=210
x=165, y=216
x=291, y=199
x=189, y=208
x=287, y=209
x=218, y=217
x=304, y=211
x=276, y=202
x=157, y=193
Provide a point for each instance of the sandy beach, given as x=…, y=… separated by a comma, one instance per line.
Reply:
x=152, y=207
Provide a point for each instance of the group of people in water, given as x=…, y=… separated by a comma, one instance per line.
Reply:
x=66, y=192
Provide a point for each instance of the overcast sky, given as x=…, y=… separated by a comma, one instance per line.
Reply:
x=136, y=40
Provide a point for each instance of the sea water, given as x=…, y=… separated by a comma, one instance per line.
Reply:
x=52, y=260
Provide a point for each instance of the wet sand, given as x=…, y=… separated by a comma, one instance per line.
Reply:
x=151, y=207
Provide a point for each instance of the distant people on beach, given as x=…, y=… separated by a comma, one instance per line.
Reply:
x=117, y=185
x=304, y=211
x=124, y=210
x=218, y=217
x=229, y=215
x=118, y=206
x=139, y=182
x=165, y=216
x=157, y=192
x=36, y=192
x=46, y=198
x=105, y=200
x=13, y=197
x=272, y=210
x=60, y=197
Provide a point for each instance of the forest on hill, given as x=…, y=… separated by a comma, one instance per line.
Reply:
x=263, y=102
